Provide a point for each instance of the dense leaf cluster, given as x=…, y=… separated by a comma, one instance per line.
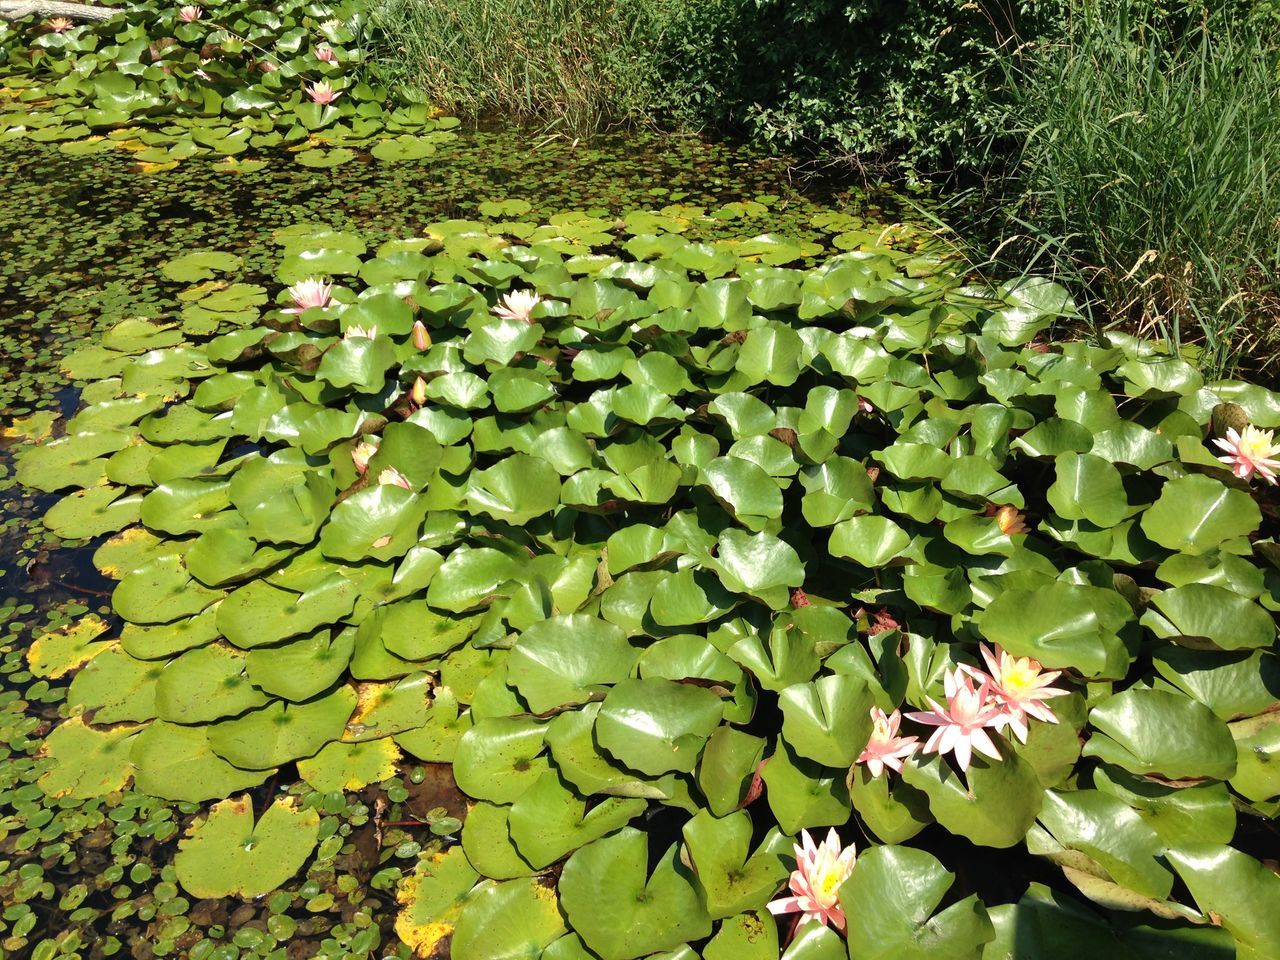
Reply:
x=662, y=547
x=233, y=83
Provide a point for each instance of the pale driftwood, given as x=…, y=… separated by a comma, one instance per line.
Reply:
x=19, y=9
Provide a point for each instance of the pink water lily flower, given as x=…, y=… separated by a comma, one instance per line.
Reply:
x=517, y=305
x=1020, y=686
x=393, y=477
x=421, y=338
x=886, y=748
x=1250, y=451
x=190, y=14
x=815, y=882
x=357, y=332
x=312, y=292
x=322, y=92
x=962, y=724
x=326, y=53
x=362, y=453
x=60, y=24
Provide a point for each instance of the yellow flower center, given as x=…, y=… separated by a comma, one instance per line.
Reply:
x=830, y=884
x=1019, y=679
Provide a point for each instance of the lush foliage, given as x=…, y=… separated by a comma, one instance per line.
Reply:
x=1147, y=173
x=665, y=538
x=231, y=81
x=573, y=65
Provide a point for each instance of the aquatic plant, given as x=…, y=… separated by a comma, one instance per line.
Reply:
x=233, y=81
x=650, y=549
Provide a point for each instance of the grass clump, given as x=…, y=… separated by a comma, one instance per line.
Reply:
x=575, y=65
x=1147, y=175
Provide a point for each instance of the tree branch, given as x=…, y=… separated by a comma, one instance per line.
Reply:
x=19, y=9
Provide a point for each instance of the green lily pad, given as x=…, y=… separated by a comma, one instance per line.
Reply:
x=228, y=854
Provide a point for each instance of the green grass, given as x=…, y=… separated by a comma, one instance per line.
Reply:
x=1148, y=178
x=573, y=65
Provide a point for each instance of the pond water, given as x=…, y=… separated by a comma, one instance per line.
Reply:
x=85, y=238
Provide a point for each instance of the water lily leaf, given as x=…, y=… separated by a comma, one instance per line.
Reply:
x=200, y=265
x=436, y=740
x=1154, y=731
x=380, y=522
x=431, y=899
x=162, y=641
x=735, y=878
x=259, y=613
x=1112, y=834
x=1235, y=888
x=643, y=913
x=227, y=854
x=303, y=667
x=116, y=687
x=486, y=838
x=514, y=920
x=869, y=540
x=803, y=794
x=760, y=565
x=889, y=901
x=384, y=709
x=550, y=820
x=566, y=659
x=657, y=726
x=350, y=766
x=725, y=771
x=1201, y=614
x=57, y=652
x=281, y=732
x=835, y=490
x=205, y=684
x=225, y=554
x=893, y=812
x=995, y=804
x=471, y=578
x=750, y=494
x=161, y=592
x=828, y=720
x=71, y=461
x=1047, y=924
x=516, y=489
x=1178, y=814
x=788, y=658
x=500, y=758
x=184, y=505
x=1062, y=625
x=1257, y=748
x=748, y=936
x=1088, y=488
x=175, y=762
x=87, y=762
x=360, y=364
x=1196, y=514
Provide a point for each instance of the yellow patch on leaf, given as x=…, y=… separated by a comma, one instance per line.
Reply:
x=32, y=429
x=60, y=651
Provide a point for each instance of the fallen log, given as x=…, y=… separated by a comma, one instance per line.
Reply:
x=20, y=9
